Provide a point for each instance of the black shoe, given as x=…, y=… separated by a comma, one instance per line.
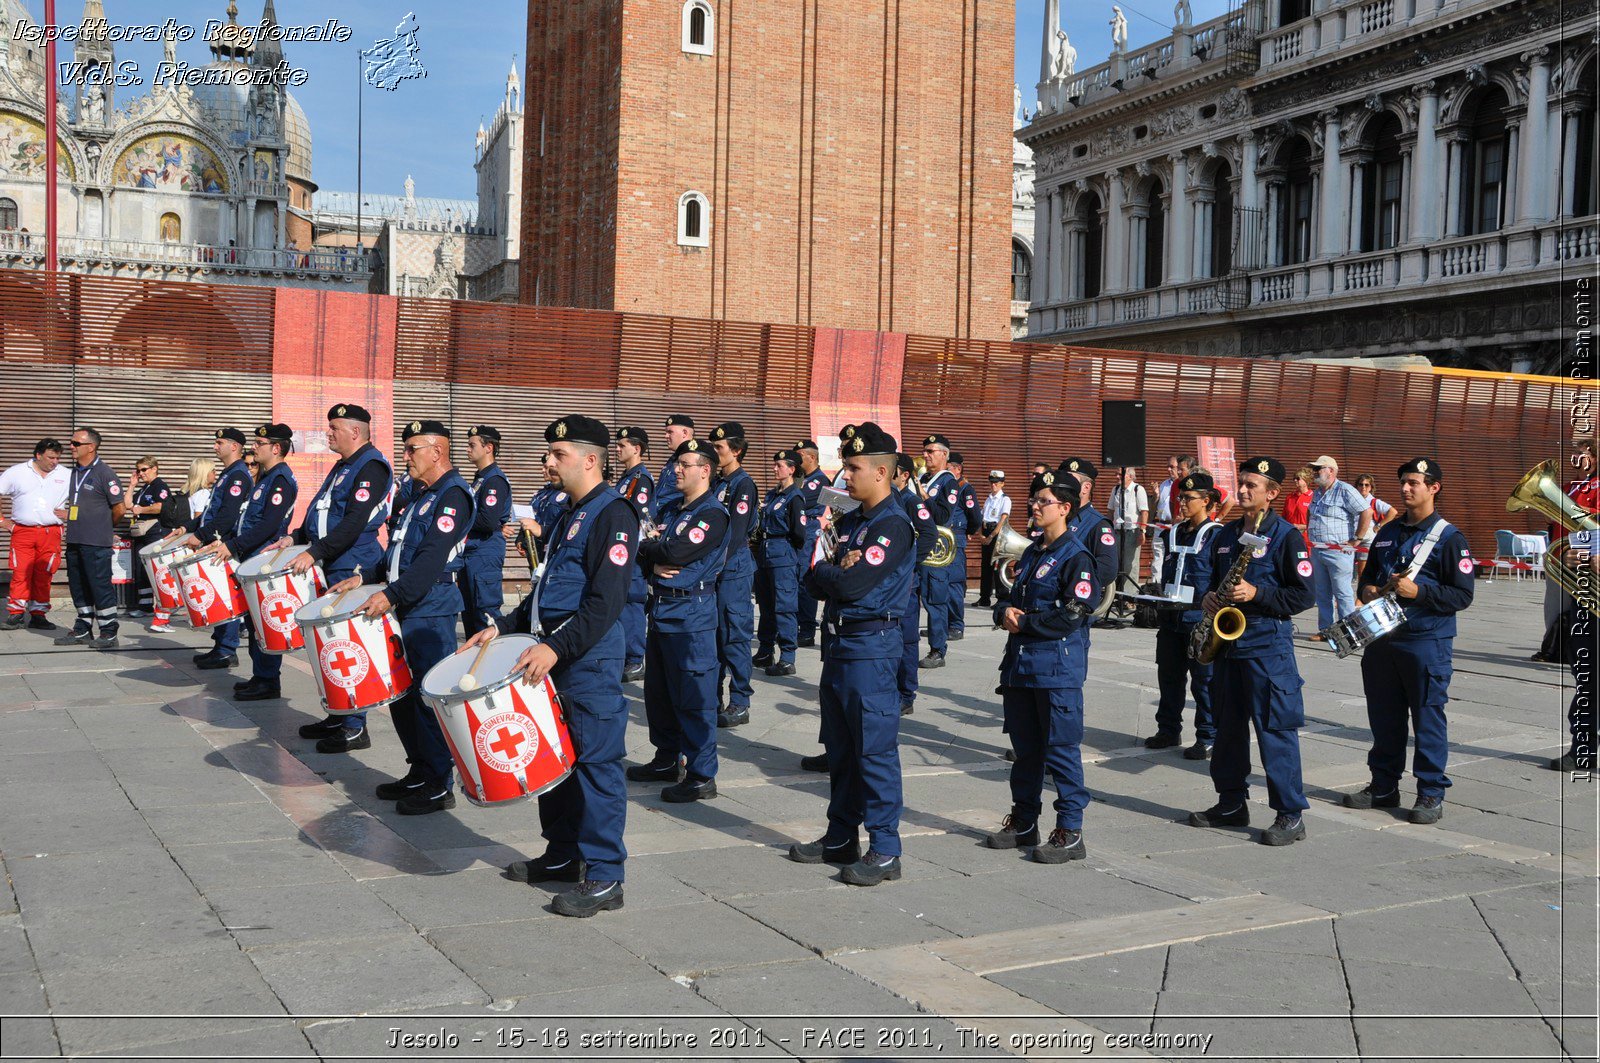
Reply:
x=1063, y=845
x=590, y=897
x=39, y=623
x=421, y=803
x=806, y=641
x=1013, y=834
x=1285, y=830
x=657, y=770
x=1199, y=751
x=259, y=690
x=983, y=604
x=323, y=728
x=761, y=660
x=1162, y=740
x=1220, y=816
x=815, y=763
x=818, y=852
x=74, y=638
x=1365, y=798
x=543, y=869
x=209, y=661
x=1538, y=655
x=955, y=636
x=872, y=869
x=780, y=668
x=633, y=673
x=244, y=684
x=343, y=742
x=11, y=623
x=105, y=642
x=411, y=783
x=689, y=790
x=907, y=707
x=734, y=717
x=1011, y=755
x=932, y=660
x=1565, y=762
x=1427, y=810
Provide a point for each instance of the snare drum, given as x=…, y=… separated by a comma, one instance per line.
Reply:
x=508, y=736
x=359, y=664
x=158, y=559
x=210, y=590
x=273, y=595
x=1379, y=617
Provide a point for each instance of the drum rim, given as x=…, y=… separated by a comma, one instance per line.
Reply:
x=508, y=802
x=151, y=552
x=270, y=573
x=195, y=558
x=461, y=697
x=338, y=617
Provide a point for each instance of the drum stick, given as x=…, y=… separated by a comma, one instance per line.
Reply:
x=469, y=681
x=329, y=610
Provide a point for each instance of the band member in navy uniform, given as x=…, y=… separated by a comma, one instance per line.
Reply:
x=679, y=429
x=264, y=519
x=1090, y=525
x=593, y=547
x=965, y=519
x=1406, y=674
x=548, y=504
x=420, y=568
x=780, y=536
x=927, y=538
x=736, y=626
x=866, y=589
x=681, y=661
x=637, y=486
x=940, y=492
x=812, y=480
x=1186, y=575
x=1256, y=682
x=1041, y=676
x=482, y=576
x=341, y=529
x=220, y=517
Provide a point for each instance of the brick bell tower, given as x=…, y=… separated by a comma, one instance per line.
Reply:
x=825, y=162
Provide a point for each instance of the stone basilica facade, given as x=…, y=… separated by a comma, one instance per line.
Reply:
x=1324, y=178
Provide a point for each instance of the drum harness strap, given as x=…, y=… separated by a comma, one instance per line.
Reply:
x=1183, y=553
x=1425, y=550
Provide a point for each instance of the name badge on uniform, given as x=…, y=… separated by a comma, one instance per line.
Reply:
x=72, y=512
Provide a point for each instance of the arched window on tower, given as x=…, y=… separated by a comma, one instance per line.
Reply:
x=1021, y=273
x=1382, y=188
x=699, y=28
x=1485, y=163
x=1584, y=198
x=8, y=214
x=694, y=220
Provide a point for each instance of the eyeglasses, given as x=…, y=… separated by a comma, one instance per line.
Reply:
x=1191, y=498
x=1316, y=468
x=144, y=468
x=412, y=448
x=78, y=443
x=1043, y=503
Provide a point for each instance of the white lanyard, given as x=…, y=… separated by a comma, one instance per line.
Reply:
x=79, y=479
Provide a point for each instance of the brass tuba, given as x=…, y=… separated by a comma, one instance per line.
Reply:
x=944, y=551
x=1539, y=490
x=1009, y=545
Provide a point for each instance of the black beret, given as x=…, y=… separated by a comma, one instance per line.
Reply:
x=790, y=456
x=1271, y=468
x=634, y=433
x=231, y=433
x=1426, y=466
x=1197, y=481
x=349, y=412
x=426, y=428
x=847, y=433
x=903, y=463
x=681, y=419
x=936, y=440
x=280, y=433
x=483, y=431
x=870, y=440
x=728, y=430
x=806, y=444
x=1081, y=466
x=955, y=458
x=693, y=446
x=576, y=428
x=1062, y=486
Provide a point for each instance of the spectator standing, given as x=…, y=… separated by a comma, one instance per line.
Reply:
x=1337, y=521
x=94, y=505
x=1130, y=519
x=1297, y=503
x=37, y=489
x=996, y=511
x=1166, y=512
x=147, y=493
x=202, y=474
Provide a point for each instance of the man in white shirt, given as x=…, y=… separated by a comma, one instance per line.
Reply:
x=1130, y=517
x=996, y=511
x=1166, y=512
x=37, y=489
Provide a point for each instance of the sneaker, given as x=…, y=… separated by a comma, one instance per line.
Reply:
x=105, y=642
x=343, y=742
x=658, y=770
x=819, y=852
x=13, y=621
x=1062, y=845
x=955, y=635
x=158, y=626
x=1365, y=798
x=1198, y=751
x=734, y=717
x=590, y=897
x=1013, y=834
x=690, y=790
x=74, y=638
x=1219, y=815
x=633, y=673
x=819, y=762
x=907, y=707
x=872, y=869
x=39, y=622
x=323, y=728
x=544, y=869
x=422, y=803
x=1285, y=830
x=1427, y=810
x=932, y=660
x=1162, y=740
x=403, y=787
x=780, y=668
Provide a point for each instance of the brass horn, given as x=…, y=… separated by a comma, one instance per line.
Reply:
x=1008, y=547
x=1540, y=491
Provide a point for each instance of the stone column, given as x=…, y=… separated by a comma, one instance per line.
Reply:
x=1333, y=194
x=1138, y=225
x=1249, y=203
x=1355, y=176
x=1201, y=251
x=1180, y=249
x=1534, y=181
x=1569, y=165
x=1115, y=245
x=1426, y=178
x=1511, y=194
x=1041, y=246
x=1060, y=249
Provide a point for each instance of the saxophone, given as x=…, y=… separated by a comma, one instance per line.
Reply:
x=1217, y=632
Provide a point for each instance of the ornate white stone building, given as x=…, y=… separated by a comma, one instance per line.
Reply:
x=1324, y=178
x=209, y=182
x=1022, y=222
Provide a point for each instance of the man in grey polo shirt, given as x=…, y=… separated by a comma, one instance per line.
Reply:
x=95, y=503
x=1339, y=519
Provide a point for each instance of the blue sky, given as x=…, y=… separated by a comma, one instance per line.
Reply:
x=425, y=127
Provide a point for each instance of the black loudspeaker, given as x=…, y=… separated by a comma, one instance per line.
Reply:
x=1121, y=434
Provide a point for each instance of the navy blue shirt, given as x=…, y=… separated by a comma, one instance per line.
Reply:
x=491, y=491
x=737, y=493
x=922, y=524
x=1056, y=590
x=265, y=517
x=1281, y=577
x=637, y=487
x=428, y=548
x=1094, y=532
x=783, y=529
x=941, y=490
x=878, y=586
x=1444, y=585
x=227, y=498
x=667, y=493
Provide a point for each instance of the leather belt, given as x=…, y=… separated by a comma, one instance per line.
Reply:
x=866, y=627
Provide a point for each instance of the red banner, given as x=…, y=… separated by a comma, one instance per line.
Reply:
x=855, y=377
x=1216, y=456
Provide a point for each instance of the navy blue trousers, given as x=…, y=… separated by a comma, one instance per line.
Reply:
x=585, y=815
x=680, y=698
x=933, y=587
x=1264, y=693
x=1173, y=668
x=428, y=640
x=1407, y=683
x=1046, y=729
x=861, y=732
x=778, y=594
x=736, y=626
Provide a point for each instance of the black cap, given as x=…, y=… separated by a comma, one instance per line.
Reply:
x=349, y=412
x=278, y=433
x=1062, y=486
x=847, y=433
x=903, y=463
x=1426, y=466
x=870, y=440
x=576, y=428
x=727, y=430
x=790, y=456
x=1081, y=466
x=936, y=440
x=955, y=458
x=635, y=434
x=806, y=444
x=231, y=433
x=694, y=446
x=1197, y=481
x=681, y=419
x=1271, y=468
x=426, y=428
x=485, y=433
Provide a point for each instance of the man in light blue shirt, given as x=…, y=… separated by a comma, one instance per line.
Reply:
x=1339, y=518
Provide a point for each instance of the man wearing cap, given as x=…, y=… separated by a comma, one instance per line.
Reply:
x=94, y=504
x=1406, y=674
x=1185, y=576
x=811, y=480
x=482, y=575
x=996, y=511
x=1092, y=529
x=547, y=503
x=1339, y=519
x=927, y=533
x=965, y=520
x=1256, y=682
x=341, y=530
x=37, y=489
x=940, y=491
x=221, y=517
x=264, y=518
x=593, y=547
x=780, y=536
x=419, y=573
x=681, y=662
x=679, y=429
x=735, y=586
x=636, y=485
x=866, y=589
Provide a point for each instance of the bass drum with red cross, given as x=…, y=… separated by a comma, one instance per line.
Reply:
x=508, y=736
x=210, y=589
x=359, y=662
x=158, y=559
x=273, y=595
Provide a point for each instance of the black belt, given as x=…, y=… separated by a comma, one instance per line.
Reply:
x=865, y=627
x=681, y=592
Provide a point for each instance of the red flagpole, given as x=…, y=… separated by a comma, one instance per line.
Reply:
x=50, y=135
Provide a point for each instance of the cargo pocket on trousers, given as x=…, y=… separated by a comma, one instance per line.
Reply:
x=1286, y=709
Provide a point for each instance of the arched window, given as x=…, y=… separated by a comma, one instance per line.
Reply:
x=1585, y=197
x=1382, y=188
x=699, y=27
x=694, y=220
x=1291, y=11
x=1294, y=205
x=8, y=214
x=1089, y=264
x=171, y=229
x=1155, y=236
x=1021, y=273
x=1484, y=165
x=1221, y=257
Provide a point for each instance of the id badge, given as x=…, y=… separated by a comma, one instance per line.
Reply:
x=72, y=512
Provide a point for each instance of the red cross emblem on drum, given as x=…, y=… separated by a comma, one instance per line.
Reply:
x=506, y=742
x=277, y=609
x=345, y=663
x=201, y=593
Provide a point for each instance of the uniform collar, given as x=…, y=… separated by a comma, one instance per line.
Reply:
x=491, y=469
x=1424, y=524
x=873, y=511
x=591, y=496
